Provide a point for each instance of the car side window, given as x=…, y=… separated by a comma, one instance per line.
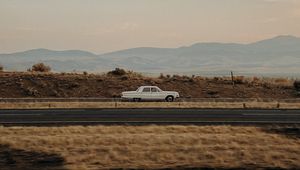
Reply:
x=146, y=89
x=154, y=90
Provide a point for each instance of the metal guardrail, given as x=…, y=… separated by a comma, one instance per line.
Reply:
x=7, y=100
x=60, y=99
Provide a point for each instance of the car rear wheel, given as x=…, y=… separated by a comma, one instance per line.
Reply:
x=169, y=98
x=136, y=99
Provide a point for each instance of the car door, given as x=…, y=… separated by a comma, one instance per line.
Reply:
x=146, y=93
x=156, y=94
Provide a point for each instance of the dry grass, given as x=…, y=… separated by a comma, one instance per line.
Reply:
x=103, y=147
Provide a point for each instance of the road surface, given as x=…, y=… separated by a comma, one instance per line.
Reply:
x=147, y=116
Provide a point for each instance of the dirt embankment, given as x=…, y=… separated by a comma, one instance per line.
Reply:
x=28, y=84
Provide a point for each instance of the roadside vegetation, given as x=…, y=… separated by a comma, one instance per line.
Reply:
x=39, y=67
x=150, y=147
x=297, y=85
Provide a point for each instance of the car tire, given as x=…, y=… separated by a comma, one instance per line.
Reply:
x=169, y=98
x=136, y=99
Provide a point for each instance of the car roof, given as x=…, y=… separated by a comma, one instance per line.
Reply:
x=148, y=86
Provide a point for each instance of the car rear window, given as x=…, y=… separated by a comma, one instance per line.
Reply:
x=146, y=89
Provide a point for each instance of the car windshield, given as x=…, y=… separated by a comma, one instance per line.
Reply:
x=158, y=89
x=138, y=89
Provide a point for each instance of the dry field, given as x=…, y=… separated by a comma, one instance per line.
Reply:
x=150, y=147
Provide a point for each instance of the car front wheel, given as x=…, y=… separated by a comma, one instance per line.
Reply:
x=169, y=98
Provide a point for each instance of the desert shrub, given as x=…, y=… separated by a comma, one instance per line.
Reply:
x=1, y=68
x=85, y=73
x=266, y=85
x=199, y=78
x=192, y=80
x=117, y=72
x=115, y=95
x=217, y=78
x=176, y=77
x=133, y=74
x=161, y=76
x=297, y=84
x=256, y=80
x=185, y=77
x=40, y=67
x=125, y=77
x=73, y=85
x=282, y=80
x=239, y=80
x=212, y=92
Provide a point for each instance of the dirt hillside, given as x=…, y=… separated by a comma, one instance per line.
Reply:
x=31, y=84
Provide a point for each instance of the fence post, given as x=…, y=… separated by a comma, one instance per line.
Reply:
x=232, y=79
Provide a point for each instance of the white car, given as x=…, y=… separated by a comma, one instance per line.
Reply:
x=150, y=93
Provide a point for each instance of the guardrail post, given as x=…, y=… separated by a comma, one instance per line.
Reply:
x=116, y=104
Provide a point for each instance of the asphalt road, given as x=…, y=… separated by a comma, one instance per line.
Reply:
x=147, y=116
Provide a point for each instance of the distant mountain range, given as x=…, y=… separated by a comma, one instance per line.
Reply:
x=279, y=56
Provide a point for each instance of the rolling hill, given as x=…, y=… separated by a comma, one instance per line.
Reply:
x=276, y=56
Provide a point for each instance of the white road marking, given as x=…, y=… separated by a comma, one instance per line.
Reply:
x=50, y=122
x=20, y=114
x=273, y=114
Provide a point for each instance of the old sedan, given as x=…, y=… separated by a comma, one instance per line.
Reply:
x=150, y=93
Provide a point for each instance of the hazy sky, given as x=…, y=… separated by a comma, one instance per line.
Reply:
x=107, y=25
